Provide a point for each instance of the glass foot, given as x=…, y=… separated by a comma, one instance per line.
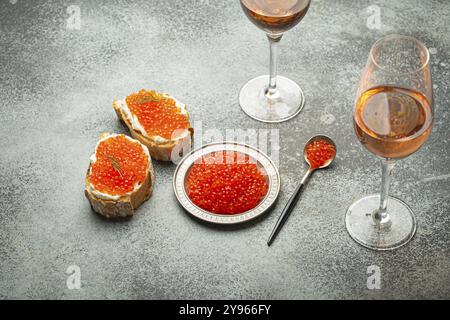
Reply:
x=363, y=230
x=285, y=104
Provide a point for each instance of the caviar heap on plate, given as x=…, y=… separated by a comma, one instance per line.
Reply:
x=158, y=113
x=319, y=152
x=226, y=182
x=120, y=165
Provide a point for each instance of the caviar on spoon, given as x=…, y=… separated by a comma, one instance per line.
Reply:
x=319, y=152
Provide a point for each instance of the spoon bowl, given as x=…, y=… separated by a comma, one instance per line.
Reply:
x=316, y=138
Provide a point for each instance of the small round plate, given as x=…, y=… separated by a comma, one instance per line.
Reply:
x=266, y=164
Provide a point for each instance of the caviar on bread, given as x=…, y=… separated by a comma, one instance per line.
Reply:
x=159, y=121
x=120, y=176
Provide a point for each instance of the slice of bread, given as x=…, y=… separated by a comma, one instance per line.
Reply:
x=125, y=205
x=160, y=149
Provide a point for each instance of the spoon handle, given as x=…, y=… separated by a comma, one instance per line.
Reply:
x=289, y=207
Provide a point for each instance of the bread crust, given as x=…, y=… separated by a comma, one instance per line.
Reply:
x=158, y=151
x=124, y=206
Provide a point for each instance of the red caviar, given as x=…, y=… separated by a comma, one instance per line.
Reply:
x=120, y=164
x=158, y=114
x=319, y=152
x=226, y=182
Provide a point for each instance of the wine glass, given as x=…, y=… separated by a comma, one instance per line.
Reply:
x=273, y=98
x=393, y=116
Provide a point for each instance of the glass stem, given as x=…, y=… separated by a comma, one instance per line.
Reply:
x=273, y=41
x=380, y=216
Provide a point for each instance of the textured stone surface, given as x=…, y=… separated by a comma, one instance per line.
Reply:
x=57, y=86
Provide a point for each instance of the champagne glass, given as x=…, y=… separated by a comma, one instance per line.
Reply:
x=392, y=117
x=273, y=98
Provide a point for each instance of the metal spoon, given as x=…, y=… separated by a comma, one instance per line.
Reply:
x=293, y=200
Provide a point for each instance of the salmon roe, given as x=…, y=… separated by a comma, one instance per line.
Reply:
x=226, y=182
x=120, y=164
x=159, y=115
x=319, y=152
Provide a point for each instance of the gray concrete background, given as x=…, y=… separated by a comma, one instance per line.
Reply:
x=57, y=86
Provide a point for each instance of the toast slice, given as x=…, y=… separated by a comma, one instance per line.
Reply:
x=164, y=149
x=115, y=206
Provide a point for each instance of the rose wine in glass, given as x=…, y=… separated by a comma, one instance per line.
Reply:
x=275, y=17
x=273, y=98
x=392, y=122
x=392, y=117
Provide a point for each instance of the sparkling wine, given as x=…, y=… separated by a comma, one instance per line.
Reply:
x=392, y=122
x=275, y=16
